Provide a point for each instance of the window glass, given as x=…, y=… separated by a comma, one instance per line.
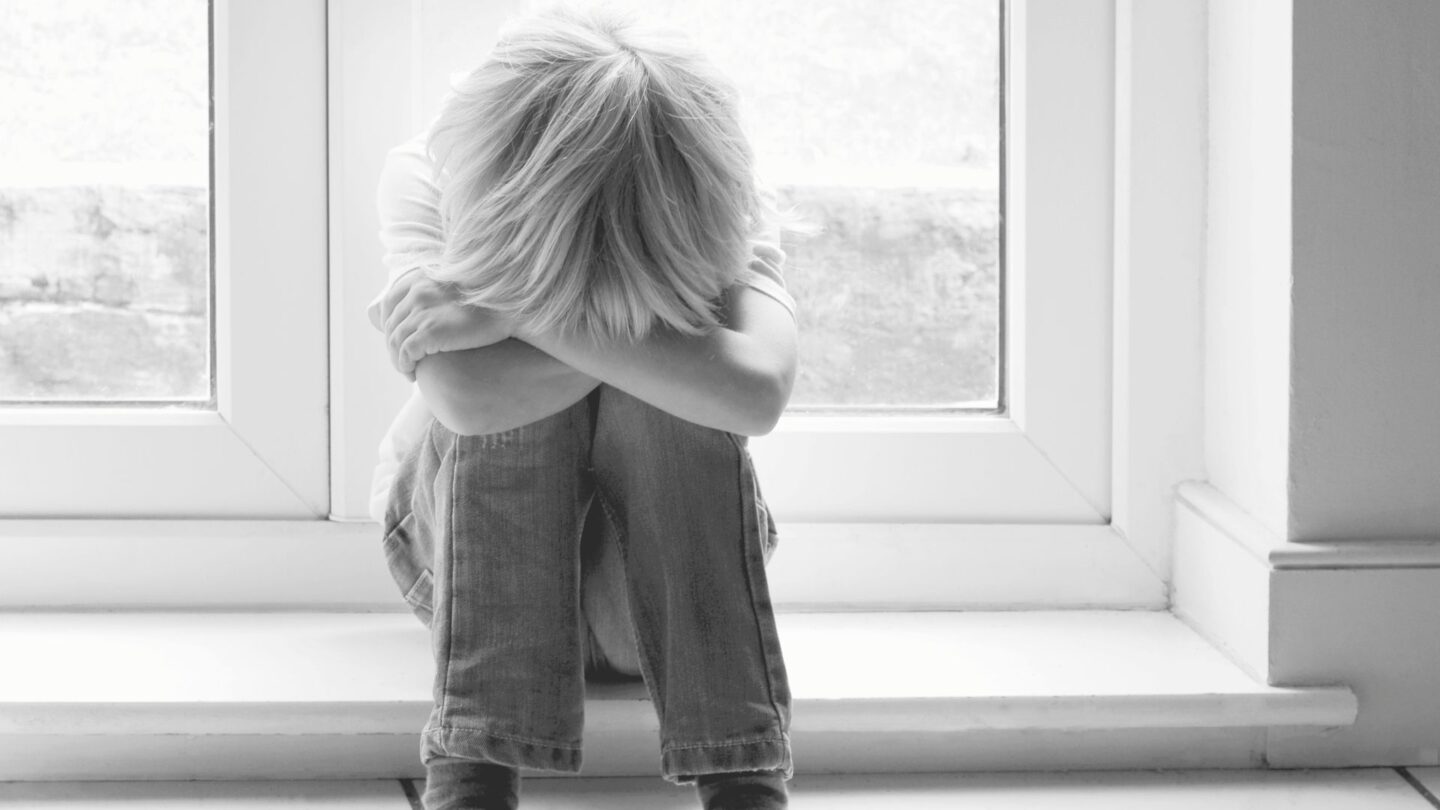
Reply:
x=105, y=201
x=881, y=123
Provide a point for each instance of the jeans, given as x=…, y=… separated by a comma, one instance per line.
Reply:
x=527, y=588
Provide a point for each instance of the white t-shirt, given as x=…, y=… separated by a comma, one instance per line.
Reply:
x=411, y=235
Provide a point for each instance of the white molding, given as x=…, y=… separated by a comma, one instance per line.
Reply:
x=1380, y=552
x=1059, y=201
x=1160, y=132
x=1220, y=582
x=1226, y=562
x=330, y=566
x=261, y=452
x=370, y=67
x=1233, y=523
x=975, y=469
x=839, y=567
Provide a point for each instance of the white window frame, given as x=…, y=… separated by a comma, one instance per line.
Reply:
x=1065, y=500
x=1045, y=460
x=263, y=451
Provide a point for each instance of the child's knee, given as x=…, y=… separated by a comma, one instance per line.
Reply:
x=629, y=427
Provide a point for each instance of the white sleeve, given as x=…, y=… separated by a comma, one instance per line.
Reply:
x=405, y=434
x=408, y=202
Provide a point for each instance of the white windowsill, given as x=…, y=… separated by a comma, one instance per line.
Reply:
x=908, y=689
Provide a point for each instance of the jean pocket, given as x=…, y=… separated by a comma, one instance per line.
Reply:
x=421, y=595
x=410, y=572
x=769, y=535
x=764, y=521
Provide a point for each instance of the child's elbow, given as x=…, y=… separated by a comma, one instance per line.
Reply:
x=453, y=405
x=462, y=421
x=767, y=405
x=761, y=425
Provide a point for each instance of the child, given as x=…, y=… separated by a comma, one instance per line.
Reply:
x=592, y=195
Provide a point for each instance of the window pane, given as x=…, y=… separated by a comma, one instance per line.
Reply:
x=881, y=122
x=105, y=200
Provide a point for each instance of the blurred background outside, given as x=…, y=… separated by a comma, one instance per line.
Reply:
x=104, y=200
x=878, y=121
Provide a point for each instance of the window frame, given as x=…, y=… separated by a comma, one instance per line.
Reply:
x=261, y=452
x=1037, y=476
x=1045, y=459
x=1115, y=553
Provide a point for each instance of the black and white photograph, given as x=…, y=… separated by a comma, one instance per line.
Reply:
x=720, y=404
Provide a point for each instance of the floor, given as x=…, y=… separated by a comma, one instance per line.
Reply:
x=1320, y=789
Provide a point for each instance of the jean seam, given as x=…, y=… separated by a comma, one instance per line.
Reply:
x=510, y=737
x=450, y=580
x=741, y=459
x=647, y=652
x=430, y=437
x=726, y=744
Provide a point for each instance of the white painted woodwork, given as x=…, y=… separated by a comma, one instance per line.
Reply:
x=336, y=695
x=1159, y=258
x=329, y=566
x=1247, y=265
x=261, y=453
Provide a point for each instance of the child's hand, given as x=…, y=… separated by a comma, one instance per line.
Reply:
x=423, y=318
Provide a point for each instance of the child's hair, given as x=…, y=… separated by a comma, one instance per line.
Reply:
x=599, y=182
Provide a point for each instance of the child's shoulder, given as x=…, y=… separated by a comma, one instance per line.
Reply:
x=406, y=164
x=411, y=152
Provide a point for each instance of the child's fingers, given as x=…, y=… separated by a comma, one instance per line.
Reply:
x=395, y=340
x=769, y=252
x=397, y=315
x=389, y=302
x=396, y=293
x=411, y=352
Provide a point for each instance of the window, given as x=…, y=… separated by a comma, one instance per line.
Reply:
x=884, y=507
x=882, y=122
x=105, y=245
x=1043, y=458
x=145, y=179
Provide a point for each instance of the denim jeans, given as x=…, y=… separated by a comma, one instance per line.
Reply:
x=605, y=536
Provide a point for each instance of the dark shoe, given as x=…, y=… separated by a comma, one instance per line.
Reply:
x=469, y=784
x=746, y=790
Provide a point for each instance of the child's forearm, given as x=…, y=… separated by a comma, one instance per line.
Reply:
x=727, y=380
x=498, y=387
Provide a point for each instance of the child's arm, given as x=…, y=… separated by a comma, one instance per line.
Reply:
x=498, y=387
x=483, y=390
x=736, y=379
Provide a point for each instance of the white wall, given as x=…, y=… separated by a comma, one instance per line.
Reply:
x=1365, y=372
x=1247, y=274
x=1322, y=318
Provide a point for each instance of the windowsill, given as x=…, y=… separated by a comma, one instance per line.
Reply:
x=908, y=685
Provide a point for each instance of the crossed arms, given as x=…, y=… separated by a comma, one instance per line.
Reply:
x=737, y=378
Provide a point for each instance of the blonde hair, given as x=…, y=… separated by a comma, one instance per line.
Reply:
x=599, y=181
